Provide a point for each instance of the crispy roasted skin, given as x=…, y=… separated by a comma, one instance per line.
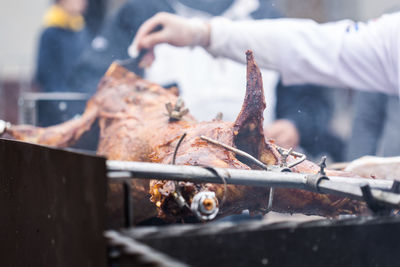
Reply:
x=134, y=127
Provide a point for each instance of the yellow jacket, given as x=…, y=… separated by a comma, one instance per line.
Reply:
x=56, y=16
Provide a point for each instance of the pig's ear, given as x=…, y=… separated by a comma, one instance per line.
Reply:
x=248, y=128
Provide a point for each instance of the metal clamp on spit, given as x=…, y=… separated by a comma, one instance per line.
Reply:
x=285, y=155
x=314, y=180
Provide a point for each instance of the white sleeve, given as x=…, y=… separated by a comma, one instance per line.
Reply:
x=362, y=56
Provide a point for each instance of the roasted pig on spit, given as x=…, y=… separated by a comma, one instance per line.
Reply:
x=141, y=121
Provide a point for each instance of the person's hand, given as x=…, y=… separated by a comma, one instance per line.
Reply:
x=284, y=133
x=170, y=29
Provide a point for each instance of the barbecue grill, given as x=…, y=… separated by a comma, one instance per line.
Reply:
x=55, y=212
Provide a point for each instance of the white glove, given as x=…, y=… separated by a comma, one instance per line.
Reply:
x=174, y=30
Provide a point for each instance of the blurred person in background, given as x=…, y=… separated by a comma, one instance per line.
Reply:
x=61, y=43
x=209, y=85
x=376, y=126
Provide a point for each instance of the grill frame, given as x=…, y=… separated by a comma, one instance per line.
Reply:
x=52, y=204
x=32, y=178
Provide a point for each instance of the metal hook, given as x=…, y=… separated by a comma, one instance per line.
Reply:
x=373, y=204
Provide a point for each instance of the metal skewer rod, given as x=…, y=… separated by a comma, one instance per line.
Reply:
x=120, y=171
x=236, y=151
x=128, y=169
